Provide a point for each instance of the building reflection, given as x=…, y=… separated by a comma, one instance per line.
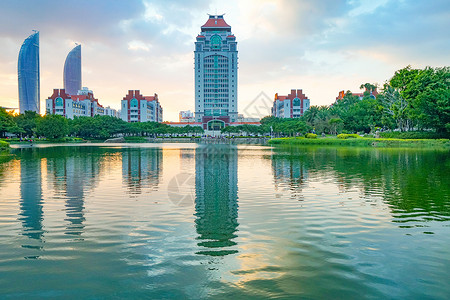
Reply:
x=73, y=177
x=289, y=174
x=216, y=199
x=31, y=212
x=141, y=169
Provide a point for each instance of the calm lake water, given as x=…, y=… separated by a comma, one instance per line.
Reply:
x=219, y=221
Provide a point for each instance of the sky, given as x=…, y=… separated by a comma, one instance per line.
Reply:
x=319, y=46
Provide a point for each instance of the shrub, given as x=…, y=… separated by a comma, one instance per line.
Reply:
x=413, y=135
x=311, y=136
x=135, y=139
x=348, y=136
x=4, y=145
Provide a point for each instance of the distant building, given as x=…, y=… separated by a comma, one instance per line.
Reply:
x=83, y=104
x=28, y=74
x=216, y=78
x=111, y=112
x=186, y=116
x=293, y=105
x=138, y=108
x=72, y=71
x=244, y=120
x=373, y=94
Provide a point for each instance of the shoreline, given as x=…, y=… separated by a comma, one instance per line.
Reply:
x=363, y=142
x=290, y=141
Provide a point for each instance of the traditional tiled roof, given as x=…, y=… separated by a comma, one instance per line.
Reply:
x=216, y=22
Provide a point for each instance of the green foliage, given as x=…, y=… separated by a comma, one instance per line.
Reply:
x=348, y=136
x=364, y=142
x=135, y=139
x=26, y=123
x=427, y=97
x=414, y=135
x=311, y=136
x=368, y=86
x=6, y=122
x=53, y=127
x=285, y=126
x=4, y=145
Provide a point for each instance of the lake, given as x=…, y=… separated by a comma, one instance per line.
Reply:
x=219, y=221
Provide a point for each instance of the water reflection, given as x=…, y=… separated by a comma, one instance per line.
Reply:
x=141, y=169
x=31, y=212
x=289, y=174
x=409, y=180
x=216, y=198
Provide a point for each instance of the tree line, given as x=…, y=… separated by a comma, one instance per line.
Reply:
x=412, y=100
x=31, y=124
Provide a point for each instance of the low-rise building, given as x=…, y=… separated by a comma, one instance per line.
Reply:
x=186, y=116
x=245, y=120
x=293, y=105
x=84, y=104
x=372, y=93
x=138, y=108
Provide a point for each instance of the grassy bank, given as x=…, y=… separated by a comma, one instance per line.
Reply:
x=363, y=142
x=4, y=146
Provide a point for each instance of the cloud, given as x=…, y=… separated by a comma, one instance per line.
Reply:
x=320, y=46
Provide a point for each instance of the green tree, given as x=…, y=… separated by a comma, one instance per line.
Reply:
x=27, y=122
x=6, y=122
x=335, y=124
x=53, y=127
x=394, y=108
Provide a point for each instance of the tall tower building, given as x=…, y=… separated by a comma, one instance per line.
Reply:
x=216, y=78
x=28, y=74
x=72, y=71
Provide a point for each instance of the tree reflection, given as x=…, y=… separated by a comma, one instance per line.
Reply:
x=407, y=179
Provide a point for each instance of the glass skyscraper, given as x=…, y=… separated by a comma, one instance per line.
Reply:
x=28, y=74
x=216, y=74
x=72, y=71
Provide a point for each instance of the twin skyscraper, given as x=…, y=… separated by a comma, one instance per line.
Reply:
x=28, y=71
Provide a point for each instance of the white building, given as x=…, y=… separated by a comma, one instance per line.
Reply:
x=138, y=108
x=216, y=78
x=186, y=116
x=293, y=105
x=81, y=105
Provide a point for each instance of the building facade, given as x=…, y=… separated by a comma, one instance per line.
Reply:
x=138, y=108
x=28, y=74
x=216, y=74
x=186, y=116
x=83, y=104
x=293, y=105
x=72, y=71
x=372, y=94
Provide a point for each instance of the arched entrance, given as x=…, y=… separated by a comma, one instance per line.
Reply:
x=216, y=125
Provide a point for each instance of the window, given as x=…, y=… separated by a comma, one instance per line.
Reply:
x=59, y=101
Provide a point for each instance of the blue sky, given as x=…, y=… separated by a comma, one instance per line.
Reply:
x=320, y=46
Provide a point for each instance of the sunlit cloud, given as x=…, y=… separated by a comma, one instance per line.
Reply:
x=319, y=46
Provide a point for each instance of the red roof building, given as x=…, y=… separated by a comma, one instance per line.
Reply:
x=373, y=94
x=293, y=105
x=139, y=108
x=215, y=22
